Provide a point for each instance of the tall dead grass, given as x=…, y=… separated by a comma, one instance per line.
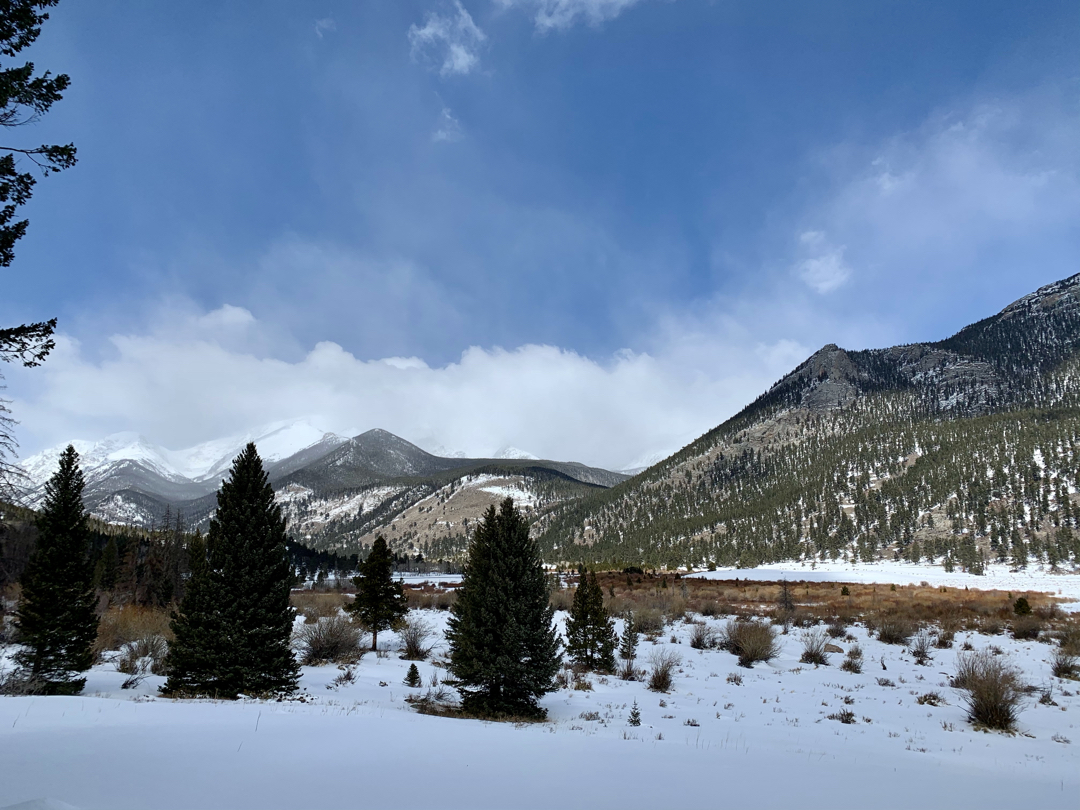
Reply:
x=129, y=624
x=315, y=605
x=821, y=601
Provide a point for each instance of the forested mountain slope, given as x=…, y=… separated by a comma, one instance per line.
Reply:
x=962, y=450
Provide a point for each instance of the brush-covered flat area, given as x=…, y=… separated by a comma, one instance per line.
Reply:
x=781, y=733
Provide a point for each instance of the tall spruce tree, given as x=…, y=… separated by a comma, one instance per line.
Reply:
x=504, y=649
x=234, y=624
x=56, y=620
x=380, y=602
x=590, y=631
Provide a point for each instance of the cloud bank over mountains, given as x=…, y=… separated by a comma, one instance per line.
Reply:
x=929, y=215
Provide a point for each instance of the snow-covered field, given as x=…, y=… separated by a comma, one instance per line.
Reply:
x=997, y=577
x=764, y=742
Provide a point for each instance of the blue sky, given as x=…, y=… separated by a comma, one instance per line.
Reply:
x=589, y=228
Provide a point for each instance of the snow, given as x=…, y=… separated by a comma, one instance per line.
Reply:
x=997, y=577
x=205, y=461
x=510, y=452
x=766, y=742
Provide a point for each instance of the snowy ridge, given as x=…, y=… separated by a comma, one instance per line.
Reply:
x=203, y=462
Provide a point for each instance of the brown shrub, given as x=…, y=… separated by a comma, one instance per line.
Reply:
x=1069, y=638
x=649, y=622
x=333, y=640
x=315, y=605
x=131, y=623
x=994, y=690
x=415, y=634
x=662, y=661
x=750, y=641
x=1026, y=628
x=429, y=600
x=920, y=648
x=1064, y=665
x=892, y=629
x=703, y=637
x=814, y=643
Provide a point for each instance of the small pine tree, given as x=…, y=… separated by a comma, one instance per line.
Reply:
x=56, y=619
x=504, y=649
x=628, y=647
x=380, y=602
x=635, y=715
x=234, y=626
x=1022, y=607
x=785, y=601
x=412, y=677
x=590, y=631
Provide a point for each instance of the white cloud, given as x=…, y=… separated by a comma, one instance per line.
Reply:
x=565, y=13
x=181, y=383
x=324, y=26
x=992, y=191
x=449, y=128
x=823, y=269
x=449, y=41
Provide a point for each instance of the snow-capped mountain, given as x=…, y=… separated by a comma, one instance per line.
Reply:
x=514, y=452
x=205, y=462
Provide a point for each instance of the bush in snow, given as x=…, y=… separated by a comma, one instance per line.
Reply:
x=334, y=640
x=853, y=661
x=750, y=641
x=703, y=637
x=920, y=648
x=1026, y=628
x=663, y=662
x=894, y=630
x=415, y=634
x=813, y=652
x=1064, y=665
x=994, y=690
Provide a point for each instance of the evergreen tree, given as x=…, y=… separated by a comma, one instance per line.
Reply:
x=504, y=650
x=108, y=566
x=590, y=632
x=56, y=617
x=380, y=601
x=234, y=624
x=635, y=715
x=628, y=647
x=412, y=677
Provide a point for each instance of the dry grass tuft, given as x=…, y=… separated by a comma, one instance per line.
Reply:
x=751, y=641
x=893, y=629
x=663, y=662
x=814, y=652
x=994, y=690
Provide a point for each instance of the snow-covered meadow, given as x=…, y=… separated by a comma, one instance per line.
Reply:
x=761, y=739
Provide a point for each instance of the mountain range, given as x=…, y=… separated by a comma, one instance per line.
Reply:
x=960, y=450
x=336, y=491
